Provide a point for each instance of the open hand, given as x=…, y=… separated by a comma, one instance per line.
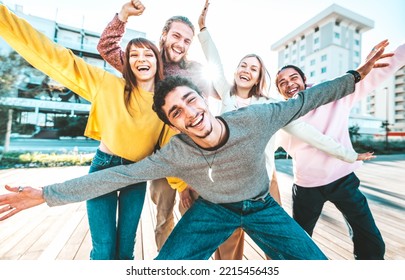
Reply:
x=384, y=44
x=187, y=197
x=366, y=156
x=19, y=198
x=374, y=56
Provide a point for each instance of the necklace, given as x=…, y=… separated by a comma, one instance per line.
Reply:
x=212, y=162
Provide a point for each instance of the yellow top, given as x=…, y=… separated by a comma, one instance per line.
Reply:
x=131, y=137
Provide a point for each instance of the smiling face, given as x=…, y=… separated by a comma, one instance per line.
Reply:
x=289, y=82
x=177, y=41
x=188, y=112
x=248, y=73
x=143, y=63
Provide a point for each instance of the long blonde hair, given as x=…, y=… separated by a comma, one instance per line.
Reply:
x=262, y=88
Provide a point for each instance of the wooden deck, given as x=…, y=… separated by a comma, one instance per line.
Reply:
x=61, y=233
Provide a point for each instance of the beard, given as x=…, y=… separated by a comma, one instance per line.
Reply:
x=204, y=134
x=170, y=56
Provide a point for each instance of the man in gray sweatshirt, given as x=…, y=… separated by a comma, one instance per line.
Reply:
x=222, y=158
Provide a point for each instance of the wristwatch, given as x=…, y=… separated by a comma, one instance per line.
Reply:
x=356, y=75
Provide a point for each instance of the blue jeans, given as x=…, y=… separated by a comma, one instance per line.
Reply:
x=113, y=238
x=207, y=225
x=344, y=193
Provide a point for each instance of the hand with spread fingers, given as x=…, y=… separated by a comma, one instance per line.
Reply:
x=375, y=55
x=384, y=44
x=203, y=15
x=19, y=198
x=366, y=156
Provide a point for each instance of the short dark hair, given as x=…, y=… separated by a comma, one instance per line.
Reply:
x=165, y=86
x=296, y=68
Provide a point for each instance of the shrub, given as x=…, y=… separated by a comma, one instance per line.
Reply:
x=36, y=159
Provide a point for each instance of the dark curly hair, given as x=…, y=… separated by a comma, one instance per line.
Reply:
x=163, y=88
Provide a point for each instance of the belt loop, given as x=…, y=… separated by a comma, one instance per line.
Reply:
x=110, y=158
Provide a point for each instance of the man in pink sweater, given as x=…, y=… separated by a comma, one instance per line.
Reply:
x=318, y=177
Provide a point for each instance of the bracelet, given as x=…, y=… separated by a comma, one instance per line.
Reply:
x=356, y=75
x=203, y=28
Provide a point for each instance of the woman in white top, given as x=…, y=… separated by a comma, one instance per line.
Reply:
x=248, y=88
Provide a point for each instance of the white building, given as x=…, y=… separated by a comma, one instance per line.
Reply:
x=388, y=102
x=328, y=45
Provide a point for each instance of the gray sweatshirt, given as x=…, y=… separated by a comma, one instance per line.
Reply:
x=238, y=166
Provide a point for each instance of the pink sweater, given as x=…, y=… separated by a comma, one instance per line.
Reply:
x=313, y=168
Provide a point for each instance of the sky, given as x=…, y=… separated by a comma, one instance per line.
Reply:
x=238, y=27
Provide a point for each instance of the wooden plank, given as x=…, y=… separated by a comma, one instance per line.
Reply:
x=58, y=242
x=40, y=232
x=47, y=230
x=76, y=240
x=20, y=238
x=84, y=250
x=147, y=226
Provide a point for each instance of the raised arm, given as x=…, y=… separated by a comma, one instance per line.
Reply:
x=327, y=91
x=212, y=55
x=52, y=59
x=109, y=44
x=395, y=61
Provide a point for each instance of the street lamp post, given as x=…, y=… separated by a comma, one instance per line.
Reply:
x=385, y=124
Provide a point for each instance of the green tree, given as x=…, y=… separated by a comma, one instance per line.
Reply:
x=11, y=67
x=354, y=133
x=70, y=126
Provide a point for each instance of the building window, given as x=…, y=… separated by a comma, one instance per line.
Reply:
x=323, y=70
x=312, y=74
x=324, y=57
x=356, y=53
x=337, y=22
x=312, y=62
x=337, y=35
x=302, y=58
x=316, y=29
x=302, y=47
x=357, y=42
x=286, y=46
x=316, y=40
x=294, y=42
x=302, y=37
